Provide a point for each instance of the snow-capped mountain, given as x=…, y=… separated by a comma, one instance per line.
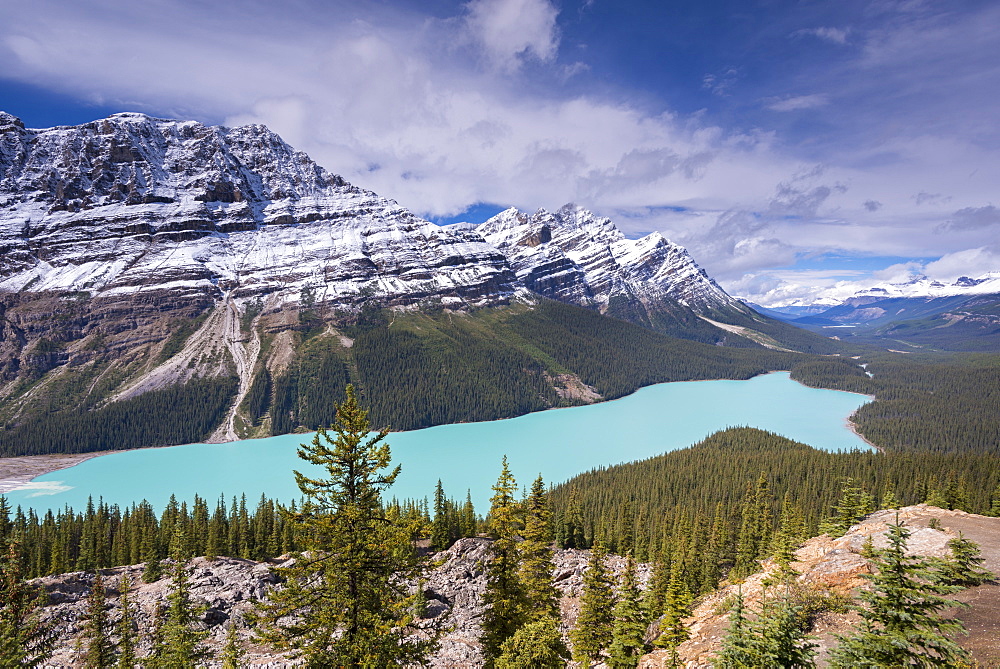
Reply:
x=132, y=204
x=924, y=287
x=574, y=256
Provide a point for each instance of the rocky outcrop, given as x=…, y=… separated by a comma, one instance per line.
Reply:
x=833, y=567
x=453, y=587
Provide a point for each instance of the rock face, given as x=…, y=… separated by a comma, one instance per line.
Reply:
x=834, y=566
x=131, y=203
x=574, y=256
x=228, y=588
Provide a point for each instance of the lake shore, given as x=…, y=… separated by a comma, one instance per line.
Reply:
x=16, y=471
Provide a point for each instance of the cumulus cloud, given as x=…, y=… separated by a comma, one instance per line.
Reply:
x=872, y=205
x=970, y=262
x=510, y=30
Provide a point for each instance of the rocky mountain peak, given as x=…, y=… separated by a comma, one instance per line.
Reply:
x=9, y=121
x=573, y=255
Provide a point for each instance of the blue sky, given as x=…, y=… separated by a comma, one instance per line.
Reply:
x=796, y=148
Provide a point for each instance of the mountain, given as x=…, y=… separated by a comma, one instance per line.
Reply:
x=154, y=265
x=920, y=314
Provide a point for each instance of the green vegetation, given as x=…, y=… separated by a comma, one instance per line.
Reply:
x=26, y=639
x=648, y=506
x=923, y=405
x=901, y=625
x=359, y=592
x=177, y=414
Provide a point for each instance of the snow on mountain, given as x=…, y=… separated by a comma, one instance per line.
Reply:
x=919, y=287
x=132, y=204
x=574, y=256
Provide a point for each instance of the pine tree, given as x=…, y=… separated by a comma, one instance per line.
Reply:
x=900, y=623
x=774, y=637
x=628, y=634
x=25, y=640
x=595, y=624
x=344, y=601
x=179, y=642
x=506, y=605
x=126, y=627
x=535, y=645
x=232, y=652
x=535, y=553
x=95, y=641
x=755, y=528
x=677, y=607
x=964, y=567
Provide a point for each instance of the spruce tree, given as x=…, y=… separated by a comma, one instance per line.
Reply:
x=964, y=567
x=755, y=528
x=535, y=645
x=178, y=639
x=126, y=627
x=790, y=534
x=629, y=631
x=595, y=624
x=440, y=534
x=737, y=646
x=774, y=637
x=25, y=640
x=854, y=504
x=677, y=607
x=345, y=602
x=468, y=516
x=901, y=625
x=506, y=604
x=95, y=644
x=535, y=552
x=232, y=652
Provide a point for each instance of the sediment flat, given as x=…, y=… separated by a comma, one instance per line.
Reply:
x=17, y=471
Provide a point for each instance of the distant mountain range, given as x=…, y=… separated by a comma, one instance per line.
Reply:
x=922, y=313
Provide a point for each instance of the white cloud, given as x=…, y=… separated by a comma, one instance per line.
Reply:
x=799, y=102
x=510, y=30
x=835, y=35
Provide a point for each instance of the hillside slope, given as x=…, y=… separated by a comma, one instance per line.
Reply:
x=834, y=565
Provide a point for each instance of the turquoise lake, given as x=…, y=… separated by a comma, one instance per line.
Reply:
x=557, y=444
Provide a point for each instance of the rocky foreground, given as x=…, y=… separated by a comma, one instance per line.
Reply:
x=834, y=566
x=455, y=584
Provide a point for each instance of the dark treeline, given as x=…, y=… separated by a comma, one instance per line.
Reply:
x=949, y=407
x=493, y=364
x=618, y=358
x=747, y=480
x=103, y=535
x=178, y=414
